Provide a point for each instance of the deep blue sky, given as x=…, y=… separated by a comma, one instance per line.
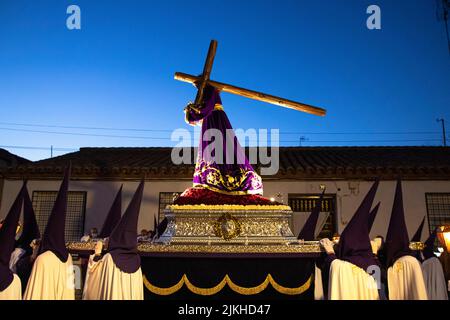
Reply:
x=117, y=71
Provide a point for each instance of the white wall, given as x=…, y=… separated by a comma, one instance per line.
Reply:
x=351, y=193
x=100, y=195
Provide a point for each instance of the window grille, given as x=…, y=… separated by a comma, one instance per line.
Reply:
x=43, y=202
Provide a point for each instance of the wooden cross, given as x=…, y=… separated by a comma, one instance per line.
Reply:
x=204, y=79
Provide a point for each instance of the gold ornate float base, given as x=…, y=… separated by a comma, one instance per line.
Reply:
x=145, y=248
x=228, y=224
x=225, y=229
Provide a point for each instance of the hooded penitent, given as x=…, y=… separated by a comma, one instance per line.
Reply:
x=429, y=245
x=123, y=239
x=30, y=228
x=162, y=226
x=418, y=235
x=308, y=231
x=373, y=215
x=53, y=239
x=7, y=239
x=416, y=238
x=354, y=243
x=155, y=225
x=113, y=217
x=397, y=240
x=222, y=165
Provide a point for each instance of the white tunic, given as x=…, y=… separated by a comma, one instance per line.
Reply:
x=14, y=290
x=105, y=281
x=318, y=284
x=350, y=282
x=51, y=279
x=405, y=280
x=433, y=275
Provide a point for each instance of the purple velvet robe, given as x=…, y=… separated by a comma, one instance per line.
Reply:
x=222, y=165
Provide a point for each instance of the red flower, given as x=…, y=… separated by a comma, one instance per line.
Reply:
x=194, y=196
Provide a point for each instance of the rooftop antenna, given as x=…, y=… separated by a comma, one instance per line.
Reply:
x=301, y=140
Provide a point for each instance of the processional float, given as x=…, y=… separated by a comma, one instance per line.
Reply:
x=258, y=226
x=259, y=223
x=217, y=220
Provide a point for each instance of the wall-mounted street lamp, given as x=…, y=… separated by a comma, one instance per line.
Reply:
x=443, y=234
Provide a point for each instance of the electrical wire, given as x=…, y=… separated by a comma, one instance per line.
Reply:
x=167, y=130
x=169, y=139
x=38, y=148
x=83, y=127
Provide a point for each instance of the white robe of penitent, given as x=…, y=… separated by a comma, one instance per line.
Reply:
x=51, y=279
x=15, y=256
x=405, y=280
x=318, y=284
x=350, y=282
x=105, y=281
x=14, y=290
x=435, y=283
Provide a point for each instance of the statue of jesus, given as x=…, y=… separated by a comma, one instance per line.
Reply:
x=222, y=165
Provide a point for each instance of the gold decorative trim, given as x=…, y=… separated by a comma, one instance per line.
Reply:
x=417, y=246
x=163, y=291
x=223, y=207
x=19, y=228
x=290, y=291
x=312, y=247
x=81, y=246
x=205, y=291
x=219, y=181
x=263, y=224
x=218, y=106
x=251, y=290
x=305, y=247
x=227, y=227
x=398, y=267
x=288, y=248
x=227, y=281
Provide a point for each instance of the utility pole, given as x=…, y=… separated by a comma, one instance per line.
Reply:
x=444, y=138
x=443, y=15
x=51, y=151
x=446, y=6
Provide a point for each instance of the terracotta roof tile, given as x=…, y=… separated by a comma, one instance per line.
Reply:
x=7, y=159
x=295, y=163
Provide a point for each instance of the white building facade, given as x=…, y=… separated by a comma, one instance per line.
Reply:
x=346, y=172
